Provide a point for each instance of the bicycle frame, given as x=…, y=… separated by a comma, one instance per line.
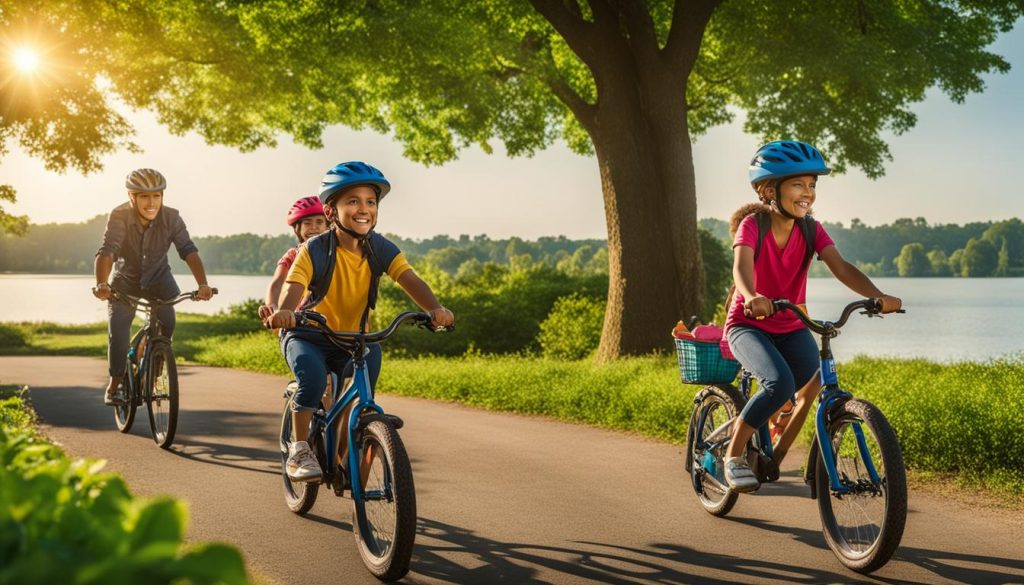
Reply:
x=360, y=389
x=831, y=395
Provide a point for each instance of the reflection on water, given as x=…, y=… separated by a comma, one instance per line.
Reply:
x=947, y=319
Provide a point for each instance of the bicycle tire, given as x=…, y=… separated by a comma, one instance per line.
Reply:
x=124, y=414
x=162, y=394
x=298, y=496
x=848, y=543
x=712, y=492
x=385, y=555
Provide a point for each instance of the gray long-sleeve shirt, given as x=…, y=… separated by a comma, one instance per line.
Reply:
x=141, y=251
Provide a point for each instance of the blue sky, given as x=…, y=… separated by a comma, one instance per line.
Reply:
x=961, y=163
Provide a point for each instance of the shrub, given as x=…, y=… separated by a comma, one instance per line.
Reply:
x=573, y=328
x=64, y=521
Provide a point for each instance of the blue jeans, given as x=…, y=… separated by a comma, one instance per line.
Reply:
x=782, y=364
x=310, y=356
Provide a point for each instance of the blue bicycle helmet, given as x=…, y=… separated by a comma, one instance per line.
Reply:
x=352, y=173
x=786, y=158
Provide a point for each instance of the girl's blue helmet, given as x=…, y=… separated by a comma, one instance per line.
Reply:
x=786, y=158
x=352, y=173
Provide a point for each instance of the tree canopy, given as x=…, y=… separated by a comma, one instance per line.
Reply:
x=632, y=82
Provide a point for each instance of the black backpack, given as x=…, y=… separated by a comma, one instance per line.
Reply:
x=323, y=250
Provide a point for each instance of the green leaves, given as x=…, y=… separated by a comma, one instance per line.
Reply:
x=64, y=521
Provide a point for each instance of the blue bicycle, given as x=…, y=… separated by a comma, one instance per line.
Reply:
x=382, y=490
x=854, y=468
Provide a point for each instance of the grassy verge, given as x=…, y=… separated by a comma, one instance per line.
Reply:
x=961, y=425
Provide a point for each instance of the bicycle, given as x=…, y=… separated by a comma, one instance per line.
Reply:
x=152, y=377
x=863, y=505
x=384, y=510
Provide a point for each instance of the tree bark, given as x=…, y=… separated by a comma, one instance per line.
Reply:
x=656, y=274
x=642, y=142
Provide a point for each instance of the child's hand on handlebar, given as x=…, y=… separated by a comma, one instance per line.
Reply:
x=890, y=304
x=758, y=307
x=280, y=319
x=442, y=317
x=265, y=311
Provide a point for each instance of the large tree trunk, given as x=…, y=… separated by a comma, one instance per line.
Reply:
x=656, y=275
x=639, y=129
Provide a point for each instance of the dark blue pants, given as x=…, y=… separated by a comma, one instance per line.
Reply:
x=310, y=356
x=119, y=329
x=782, y=363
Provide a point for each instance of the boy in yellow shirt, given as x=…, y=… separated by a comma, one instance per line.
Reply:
x=350, y=193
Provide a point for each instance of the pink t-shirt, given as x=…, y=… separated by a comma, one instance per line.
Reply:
x=778, y=274
x=289, y=257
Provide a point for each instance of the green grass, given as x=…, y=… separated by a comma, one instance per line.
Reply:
x=959, y=422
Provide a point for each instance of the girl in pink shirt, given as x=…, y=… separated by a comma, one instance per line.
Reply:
x=306, y=217
x=776, y=347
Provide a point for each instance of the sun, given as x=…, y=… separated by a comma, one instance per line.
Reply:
x=26, y=59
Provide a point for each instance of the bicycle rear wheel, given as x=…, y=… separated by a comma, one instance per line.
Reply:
x=124, y=413
x=384, y=519
x=713, y=408
x=299, y=496
x=863, y=527
x=162, y=394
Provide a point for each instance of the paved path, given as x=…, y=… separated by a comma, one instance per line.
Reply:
x=502, y=498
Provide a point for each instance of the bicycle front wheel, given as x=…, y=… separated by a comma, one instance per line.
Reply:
x=706, y=446
x=124, y=413
x=384, y=518
x=162, y=394
x=863, y=526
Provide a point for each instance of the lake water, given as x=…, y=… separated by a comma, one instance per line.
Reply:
x=947, y=319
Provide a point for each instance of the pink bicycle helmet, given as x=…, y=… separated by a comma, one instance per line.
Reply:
x=304, y=207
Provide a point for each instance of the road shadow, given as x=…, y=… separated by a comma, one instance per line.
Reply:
x=982, y=569
x=458, y=555
x=225, y=455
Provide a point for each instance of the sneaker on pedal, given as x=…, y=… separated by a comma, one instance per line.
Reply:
x=739, y=475
x=115, y=398
x=302, y=465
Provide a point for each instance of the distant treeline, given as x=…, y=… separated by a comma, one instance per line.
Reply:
x=906, y=247
x=912, y=247
x=70, y=248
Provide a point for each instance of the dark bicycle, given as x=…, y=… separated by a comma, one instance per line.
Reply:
x=854, y=468
x=384, y=508
x=151, y=376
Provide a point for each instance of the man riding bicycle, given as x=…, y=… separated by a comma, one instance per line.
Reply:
x=138, y=235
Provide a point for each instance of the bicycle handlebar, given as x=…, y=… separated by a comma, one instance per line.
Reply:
x=191, y=295
x=871, y=307
x=316, y=321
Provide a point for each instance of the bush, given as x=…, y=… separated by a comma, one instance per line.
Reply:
x=573, y=328
x=12, y=337
x=63, y=521
x=246, y=309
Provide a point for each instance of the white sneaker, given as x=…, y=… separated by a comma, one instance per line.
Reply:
x=739, y=475
x=302, y=465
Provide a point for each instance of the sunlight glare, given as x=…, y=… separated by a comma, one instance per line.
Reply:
x=26, y=60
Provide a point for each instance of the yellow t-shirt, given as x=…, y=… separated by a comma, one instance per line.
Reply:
x=350, y=285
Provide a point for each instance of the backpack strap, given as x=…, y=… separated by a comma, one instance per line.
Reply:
x=764, y=226
x=380, y=253
x=810, y=230
x=323, y=250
